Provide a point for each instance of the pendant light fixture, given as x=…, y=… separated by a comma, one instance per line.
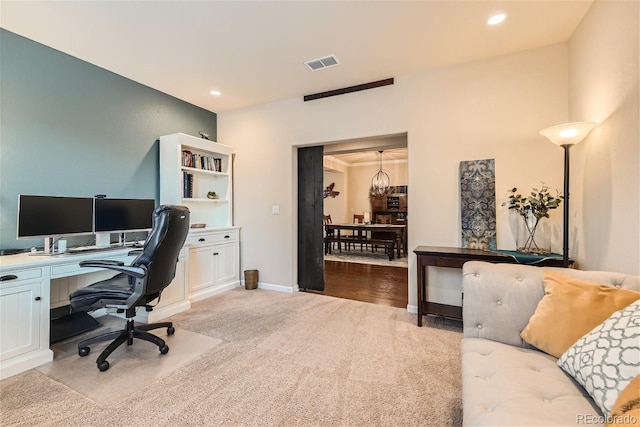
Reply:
x=380, y=181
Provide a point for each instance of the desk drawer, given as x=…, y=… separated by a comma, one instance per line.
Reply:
x=205, y=238
x=14, y=276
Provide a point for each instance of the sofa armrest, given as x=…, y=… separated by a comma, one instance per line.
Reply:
x=499, y=299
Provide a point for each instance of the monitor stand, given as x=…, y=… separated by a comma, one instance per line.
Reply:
x=103, y=239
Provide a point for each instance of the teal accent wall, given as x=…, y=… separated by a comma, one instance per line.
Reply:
x=70, y=128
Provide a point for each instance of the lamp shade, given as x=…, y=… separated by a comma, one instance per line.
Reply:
x=568, y=133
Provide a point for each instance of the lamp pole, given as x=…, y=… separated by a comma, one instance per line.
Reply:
x=566, y=135
x=565, y=226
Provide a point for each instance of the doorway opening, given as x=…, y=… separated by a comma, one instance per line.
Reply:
x=357, y=268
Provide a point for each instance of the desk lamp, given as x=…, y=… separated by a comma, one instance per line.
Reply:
x=566, y=135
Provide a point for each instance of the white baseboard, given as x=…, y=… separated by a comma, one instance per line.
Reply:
x=412, y=308
x=272, y=287
x=215, y=290
x=15, y=365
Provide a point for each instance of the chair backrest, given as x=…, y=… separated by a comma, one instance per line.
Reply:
x=358, y=219
x=161, y=250
x=326, y=219
x=383, y=219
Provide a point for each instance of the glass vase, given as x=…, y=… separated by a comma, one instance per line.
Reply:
x=533, y=237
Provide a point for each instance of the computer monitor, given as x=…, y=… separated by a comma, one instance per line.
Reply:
x=46, y=216
x=123, y=215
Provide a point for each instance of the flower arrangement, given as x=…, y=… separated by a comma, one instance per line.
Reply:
x=537, y=204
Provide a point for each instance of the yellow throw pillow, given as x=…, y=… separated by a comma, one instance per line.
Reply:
x=626, y=411
x=569, y=309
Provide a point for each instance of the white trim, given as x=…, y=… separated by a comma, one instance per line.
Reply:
x=24, y=362
x=209, y=292
x=412, y=308
x=272, y=287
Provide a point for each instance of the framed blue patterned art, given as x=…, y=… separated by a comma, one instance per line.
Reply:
x=478, y=203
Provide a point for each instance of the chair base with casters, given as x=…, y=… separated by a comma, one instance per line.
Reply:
x=138, y=284
x=126, y=335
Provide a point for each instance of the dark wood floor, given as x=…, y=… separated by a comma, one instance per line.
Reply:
x=369, y=283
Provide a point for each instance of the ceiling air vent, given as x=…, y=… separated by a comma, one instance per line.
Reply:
x=321, y=63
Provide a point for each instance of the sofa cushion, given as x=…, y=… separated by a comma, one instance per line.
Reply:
x=504, y=385
x=570, y=308
x=606, y=359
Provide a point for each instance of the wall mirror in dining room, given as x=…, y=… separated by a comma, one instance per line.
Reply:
x=365, y=223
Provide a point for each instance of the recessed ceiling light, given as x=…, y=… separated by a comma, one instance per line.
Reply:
x=215, y=93
x=496, y=19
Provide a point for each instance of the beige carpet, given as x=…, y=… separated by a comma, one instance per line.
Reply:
x=137, y=365
x=285, y=359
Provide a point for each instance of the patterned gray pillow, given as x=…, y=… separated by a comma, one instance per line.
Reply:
x=606, y=359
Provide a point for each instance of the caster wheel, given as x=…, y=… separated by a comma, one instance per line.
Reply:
x=164, y=349
x=171, y=330
x=84, y=351
x=103, y=366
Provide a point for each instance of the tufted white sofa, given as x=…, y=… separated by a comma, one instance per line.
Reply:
x=506, y=382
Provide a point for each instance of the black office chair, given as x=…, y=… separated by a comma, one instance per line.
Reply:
x=137, y=284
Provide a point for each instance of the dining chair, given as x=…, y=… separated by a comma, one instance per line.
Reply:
x=357, y=234
x=326, y=220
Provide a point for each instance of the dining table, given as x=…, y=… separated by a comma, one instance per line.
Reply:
x=364, y=231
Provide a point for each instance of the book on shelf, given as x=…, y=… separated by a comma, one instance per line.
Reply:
x=187, y=185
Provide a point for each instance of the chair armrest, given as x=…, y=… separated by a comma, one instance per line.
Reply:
x=137, y=272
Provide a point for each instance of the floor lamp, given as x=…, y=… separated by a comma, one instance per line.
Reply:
x=566, y=135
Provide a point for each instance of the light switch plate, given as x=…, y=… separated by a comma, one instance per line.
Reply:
x=275, y=210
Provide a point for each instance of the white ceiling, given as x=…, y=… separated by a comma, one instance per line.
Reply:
x=254, y=52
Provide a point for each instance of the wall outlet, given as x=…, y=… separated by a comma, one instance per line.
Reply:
x=275, y=210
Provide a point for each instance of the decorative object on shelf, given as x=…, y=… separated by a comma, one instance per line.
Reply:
x=478, y=204
x=380, y=181
x=212, y=195
x=532, y=209
x=203, y=135
x=566, y=135
x=198, y=225
x=329, y=191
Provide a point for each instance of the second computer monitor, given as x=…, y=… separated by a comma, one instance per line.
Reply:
x=123, y=215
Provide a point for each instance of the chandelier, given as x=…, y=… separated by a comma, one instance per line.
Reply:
x=380, y=181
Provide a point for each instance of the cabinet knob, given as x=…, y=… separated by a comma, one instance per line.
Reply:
x=226, y=237
x=216, y=253
x=38, y=298
x=201, y=239
x=8, y=277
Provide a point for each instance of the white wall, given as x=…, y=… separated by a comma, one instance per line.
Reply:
x=605, y=177
x=336, y=206
x=486, y=109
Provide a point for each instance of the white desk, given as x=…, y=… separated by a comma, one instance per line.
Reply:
x=32, y=285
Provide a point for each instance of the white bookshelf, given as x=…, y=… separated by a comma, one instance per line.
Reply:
x=212, y=212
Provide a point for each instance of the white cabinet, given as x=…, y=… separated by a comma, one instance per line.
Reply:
x=174, y=297
x=24, y=320
x=190, y=169
x=213, y=262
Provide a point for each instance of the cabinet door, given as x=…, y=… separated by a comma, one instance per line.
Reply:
x=201, y=268
x=20, y=308
x=225, y=263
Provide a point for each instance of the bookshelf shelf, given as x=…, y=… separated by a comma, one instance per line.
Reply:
x=205, y=172
x=191, y=167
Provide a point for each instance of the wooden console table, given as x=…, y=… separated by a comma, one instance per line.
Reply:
x=433, y=256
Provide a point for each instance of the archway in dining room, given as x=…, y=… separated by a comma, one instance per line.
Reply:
x=357, y=269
